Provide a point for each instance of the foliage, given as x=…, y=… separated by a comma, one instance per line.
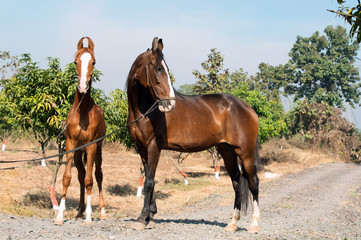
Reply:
x=270, y=80
x=9, y=67
x=352, y=16
x=323, y=126
x=321, y=68
x=10, y=64
x=186, y=89
x=216, y=79
x=41, y=98
x=270, y=112
x=256, y=91
x=116, y=115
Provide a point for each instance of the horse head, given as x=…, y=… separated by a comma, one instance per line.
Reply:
x=84, y=61
x=153, y=73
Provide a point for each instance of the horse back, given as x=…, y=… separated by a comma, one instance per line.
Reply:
x=207, y=120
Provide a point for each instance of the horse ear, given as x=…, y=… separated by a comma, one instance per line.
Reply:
x=155, y=44
x=160, y=44
x=90, y=44
x=80, y=44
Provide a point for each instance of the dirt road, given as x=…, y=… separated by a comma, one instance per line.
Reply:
x=323, y=202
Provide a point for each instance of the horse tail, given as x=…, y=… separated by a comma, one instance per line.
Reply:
x=244, y=196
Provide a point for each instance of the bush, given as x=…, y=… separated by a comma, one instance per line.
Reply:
x=323, y=126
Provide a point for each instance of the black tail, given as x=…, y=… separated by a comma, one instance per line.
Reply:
x=244, y=190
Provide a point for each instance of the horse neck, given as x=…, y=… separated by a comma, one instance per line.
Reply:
x=139, y=98
x=87, y=101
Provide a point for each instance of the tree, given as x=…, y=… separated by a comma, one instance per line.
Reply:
x=116, y=116
x=41, y=98
x=10, y=65
x=270, y=80
x=216, y=79
x=186, y=89
x=321, y=67
x=352, y=16
x=270, y=111
x=8, y=68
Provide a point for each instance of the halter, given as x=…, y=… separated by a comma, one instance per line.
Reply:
x=149, y=80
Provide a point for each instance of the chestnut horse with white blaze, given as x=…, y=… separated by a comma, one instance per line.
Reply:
x=85, y=124
x=189, y=124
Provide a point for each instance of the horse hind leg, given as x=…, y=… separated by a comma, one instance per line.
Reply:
x=249, y=173
x=230, y=161
x=99, y=179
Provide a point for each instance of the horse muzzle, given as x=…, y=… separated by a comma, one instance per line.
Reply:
x=166, y=105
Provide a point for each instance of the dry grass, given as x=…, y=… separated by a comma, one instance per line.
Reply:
x=24, y=191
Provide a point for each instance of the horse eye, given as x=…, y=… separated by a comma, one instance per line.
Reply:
x=93, y=63
x=159, y=69
x=74, y=62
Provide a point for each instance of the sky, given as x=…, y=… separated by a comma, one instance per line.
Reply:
x=245, y=32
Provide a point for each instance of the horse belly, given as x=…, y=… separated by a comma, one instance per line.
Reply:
x=194, y=137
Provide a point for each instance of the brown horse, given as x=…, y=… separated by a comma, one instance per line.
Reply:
x=189, y=124
x=85, y=124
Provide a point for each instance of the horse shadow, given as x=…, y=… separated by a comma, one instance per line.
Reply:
x=192, y=222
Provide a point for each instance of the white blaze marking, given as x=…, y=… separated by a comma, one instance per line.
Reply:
x=85, y=58
x=171, y=93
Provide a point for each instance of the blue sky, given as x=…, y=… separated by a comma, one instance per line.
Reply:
x=245, y=32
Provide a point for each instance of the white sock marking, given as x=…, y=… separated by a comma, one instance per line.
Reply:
x=88, y=209
x=61, y=209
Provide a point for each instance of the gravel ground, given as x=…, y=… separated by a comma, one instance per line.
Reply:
x=319, y=203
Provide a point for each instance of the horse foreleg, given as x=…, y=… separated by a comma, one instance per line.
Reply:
x=149, y=207
x=66, y=182
x=153, y=211
x=88, y=181
x=99, y=178
x=81, y=174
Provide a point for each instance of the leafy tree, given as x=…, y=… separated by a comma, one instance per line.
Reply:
x=186, y=89
x=270, y=112
x=10, y=64
x=321, y=67
x=41, y=98
x=116, y=115
x=8, y=67
x=216, y=79
x=352, y=16
x=270, y=80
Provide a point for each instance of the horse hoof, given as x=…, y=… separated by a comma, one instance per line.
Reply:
x=103, y=216
x=137, y=225
x=88, y=222
x=230, y=228
x=150, y=225
x=58, y=221
x=253, y=229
